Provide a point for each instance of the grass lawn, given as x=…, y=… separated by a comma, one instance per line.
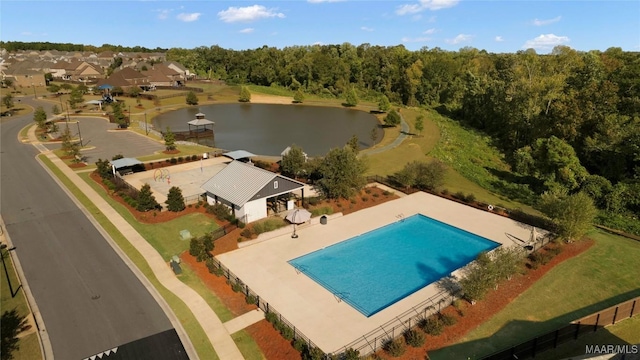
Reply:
x=184, y=151
x=603, y=276
x=248, y=347
x=164, y=237
x=623, y=332
x=29, y=346
x=185, y=316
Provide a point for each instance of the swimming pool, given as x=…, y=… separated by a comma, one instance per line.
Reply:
x=377, y=269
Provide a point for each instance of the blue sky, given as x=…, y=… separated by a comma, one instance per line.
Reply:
x=495, y=26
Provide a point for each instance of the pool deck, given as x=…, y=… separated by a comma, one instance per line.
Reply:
x=332, y=324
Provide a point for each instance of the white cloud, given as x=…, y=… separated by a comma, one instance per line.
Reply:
x=416, y=39
x=429, y=31
x=499, y=38
x=364, y=28
x=545, y=42
x=186, y=17
x=423, y=5
x=538, y=22
x=163, y=13
x=460, y=38
x=26, y=33
x=246, y=31
x=248, y=13
x=323, y=1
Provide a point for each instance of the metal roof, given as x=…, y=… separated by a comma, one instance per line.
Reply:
x=124, y=162
x=239, y=154
x=200, y=122
x=238, y=182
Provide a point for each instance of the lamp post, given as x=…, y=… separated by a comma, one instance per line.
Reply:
x=2, y=254
x=79, y=134
x=34, y=91
x=146, y=124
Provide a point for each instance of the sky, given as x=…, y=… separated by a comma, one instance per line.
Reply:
x=495, y=26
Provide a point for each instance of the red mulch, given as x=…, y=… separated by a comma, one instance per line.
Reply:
x=272, y=345
x=496, y=300
x=363, y=200
x=77, y=165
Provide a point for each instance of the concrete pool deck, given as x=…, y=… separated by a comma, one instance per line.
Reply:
x=316, y=312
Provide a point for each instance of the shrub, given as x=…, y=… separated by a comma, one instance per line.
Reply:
x=299, y=345
x=313, y=353
x=556, y=250
x=267, y=225
x=393, y=347
x=447, y=320
x=367, y=191
x=180, y=159
x=286, y=332
x=272, y=317
x=325, y=210
x=211, y=265
x=250, y=299
x=220, y=211
x=460, y=196
x=173, y=160
x=194, y=157
x=351, y=354
x=413, y=337
x=197, y=249
x=445, y=192
x=237, y=286
x=375, y=195
x=353, y=201
x=365, y=198
x=386, y=193
x=246, y=233
x=431, y=325
x=470, y=198
x=313, y=201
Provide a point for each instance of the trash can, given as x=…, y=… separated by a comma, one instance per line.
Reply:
x=323, y=219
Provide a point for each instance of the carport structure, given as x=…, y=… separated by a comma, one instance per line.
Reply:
x=127, y=164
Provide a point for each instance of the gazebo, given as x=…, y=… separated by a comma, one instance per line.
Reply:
x=198, y=127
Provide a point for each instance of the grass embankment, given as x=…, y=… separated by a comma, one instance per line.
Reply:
x=192, y=327
x=29, y=345
x=603, y=276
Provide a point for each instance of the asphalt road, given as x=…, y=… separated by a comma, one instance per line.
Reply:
x=89, y=299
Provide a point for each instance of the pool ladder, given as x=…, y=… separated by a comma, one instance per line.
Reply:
x=400, y=217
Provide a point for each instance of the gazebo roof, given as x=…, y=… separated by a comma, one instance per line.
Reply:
x=238, y=154
x=200, y=122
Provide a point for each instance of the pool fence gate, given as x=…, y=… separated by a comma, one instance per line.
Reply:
x=588, y=324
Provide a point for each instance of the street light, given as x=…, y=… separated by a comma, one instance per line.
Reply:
x=34, y=91
x=4, y=247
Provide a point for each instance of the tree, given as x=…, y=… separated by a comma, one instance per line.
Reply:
x=53, y=88
x=117, y=91
x=10, y=326
x=75, y=98
x=66, y=139
x=383, y=104
x=191, y=98
x=354, y=143
x=7, y=101
x=572, y=215
x=351, y=98
x=7, y=82
x=118, y=114
x=146, y=200
x=419, y=124
x=292, y=163
x=169, y=140
x=134, y=91
x=40, y=117
x=342, y=173
x=103, y=167
x=75, y=153
x=55, y=110
x=298, y=97
x=175, y=201
x=425, y=176
x=373, y=135
x=245, y=95
x=392, y=118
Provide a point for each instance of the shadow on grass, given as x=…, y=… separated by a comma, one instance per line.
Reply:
x=522, y=329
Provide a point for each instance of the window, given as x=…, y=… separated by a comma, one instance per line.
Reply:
x=275, y=184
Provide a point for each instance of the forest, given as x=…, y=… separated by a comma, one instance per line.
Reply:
x=567, y=121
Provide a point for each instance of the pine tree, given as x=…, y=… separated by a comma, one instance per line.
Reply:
x=40, y=117
x=392, y=118
x=146, y=200
x=169, y=140
x=192, y=99
x=384, y=105
x=353, y=143
x=420, y=123
x=298, y=98
x=351, y=98
x=175, y=200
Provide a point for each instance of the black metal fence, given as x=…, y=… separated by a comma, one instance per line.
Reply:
x=237, y=284
x=550, y=340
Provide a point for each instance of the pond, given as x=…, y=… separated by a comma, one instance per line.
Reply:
x=267, y=129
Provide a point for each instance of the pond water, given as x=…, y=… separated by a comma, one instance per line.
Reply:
x=267, y=129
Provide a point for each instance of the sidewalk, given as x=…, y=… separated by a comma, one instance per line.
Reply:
x=216, y=332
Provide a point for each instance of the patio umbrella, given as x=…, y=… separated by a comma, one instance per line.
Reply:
x=298, y=216
x=105, y=87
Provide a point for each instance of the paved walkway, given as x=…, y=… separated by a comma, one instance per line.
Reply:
x=216, y=332
x=404, y=132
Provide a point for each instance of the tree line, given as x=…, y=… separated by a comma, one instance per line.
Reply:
x=11, y=46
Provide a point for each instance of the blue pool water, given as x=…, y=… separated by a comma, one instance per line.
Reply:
x=376, y=269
